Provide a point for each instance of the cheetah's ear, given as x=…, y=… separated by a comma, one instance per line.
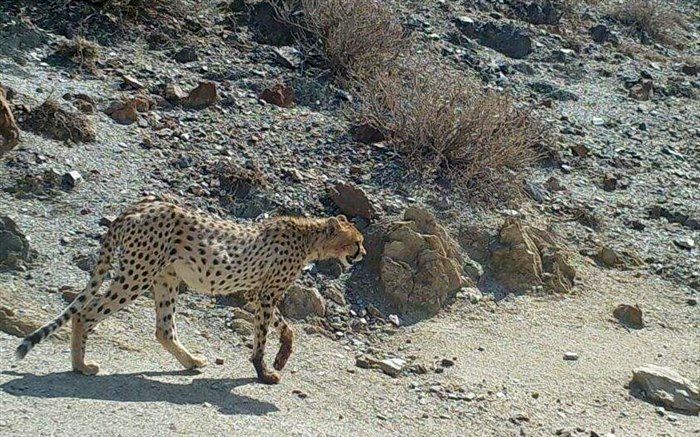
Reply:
x=333, y=225
x=341, y=218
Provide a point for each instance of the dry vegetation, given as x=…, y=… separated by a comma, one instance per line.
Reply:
x=357, y=37
x=441, y=123
x=655, y=18
x=445, y=125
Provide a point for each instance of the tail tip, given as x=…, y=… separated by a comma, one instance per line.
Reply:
x=22, y=351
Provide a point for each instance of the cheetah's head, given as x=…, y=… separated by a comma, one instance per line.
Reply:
x=342, y=241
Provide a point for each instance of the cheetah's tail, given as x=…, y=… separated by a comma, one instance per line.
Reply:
x=104, y=263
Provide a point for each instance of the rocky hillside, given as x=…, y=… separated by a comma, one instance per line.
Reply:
x=526, y=174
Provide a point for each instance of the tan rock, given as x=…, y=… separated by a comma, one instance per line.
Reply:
x=9, y=131
x=420, y=267
x=618, y=258
x=242, y=327
x=240, y=313
x=301, y=302
x=279, y=95
x=665, y=386
x=629, y=315
x=203, y=95
x=352, y=201
x=174, y=94
x=527, y=257
x=643, y=90
x=126, y=111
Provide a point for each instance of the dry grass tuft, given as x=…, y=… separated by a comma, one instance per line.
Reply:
x=445, y=126
x=655, y=18
x=356, y=37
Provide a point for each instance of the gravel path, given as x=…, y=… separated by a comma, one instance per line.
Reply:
x=509, y=375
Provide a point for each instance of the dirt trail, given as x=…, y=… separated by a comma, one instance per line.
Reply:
x=509, y=375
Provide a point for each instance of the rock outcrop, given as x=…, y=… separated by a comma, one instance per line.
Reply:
x=421, y=266
x=526, y=258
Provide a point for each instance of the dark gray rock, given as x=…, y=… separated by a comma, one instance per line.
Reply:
x=467, y=26
x=268, y=28
x=288, y=56
x=553, y=92
x=186, y=54
x=601, y=34
x=690, y=69
x=86, y=261
x=71, y=180
x=539, y=12
x=506, y=38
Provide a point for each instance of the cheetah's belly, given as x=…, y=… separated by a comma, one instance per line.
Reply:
x=210, y=280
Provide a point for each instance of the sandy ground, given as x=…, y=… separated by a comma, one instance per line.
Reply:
x=509, y=378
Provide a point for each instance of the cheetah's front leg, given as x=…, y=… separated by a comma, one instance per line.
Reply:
x=165, y=297
x=286, y=340
x=263, y=315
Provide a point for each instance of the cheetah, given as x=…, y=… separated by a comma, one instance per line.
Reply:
x=159, y=244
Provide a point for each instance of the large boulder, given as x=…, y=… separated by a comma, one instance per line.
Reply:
x=420, y=266
x=526, y=258
x=665, y=386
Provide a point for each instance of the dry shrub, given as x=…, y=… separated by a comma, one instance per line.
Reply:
x=655, y=18
x=356, y=37
x=82, y=52
x=444, y=125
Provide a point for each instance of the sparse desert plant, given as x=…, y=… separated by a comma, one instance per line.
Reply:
x=655, y=18
x=356, y=37
x=445, y=125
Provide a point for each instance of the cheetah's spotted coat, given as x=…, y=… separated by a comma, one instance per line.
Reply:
x=158, y=244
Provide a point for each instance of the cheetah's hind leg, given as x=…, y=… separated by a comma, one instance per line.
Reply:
x=77, y=348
